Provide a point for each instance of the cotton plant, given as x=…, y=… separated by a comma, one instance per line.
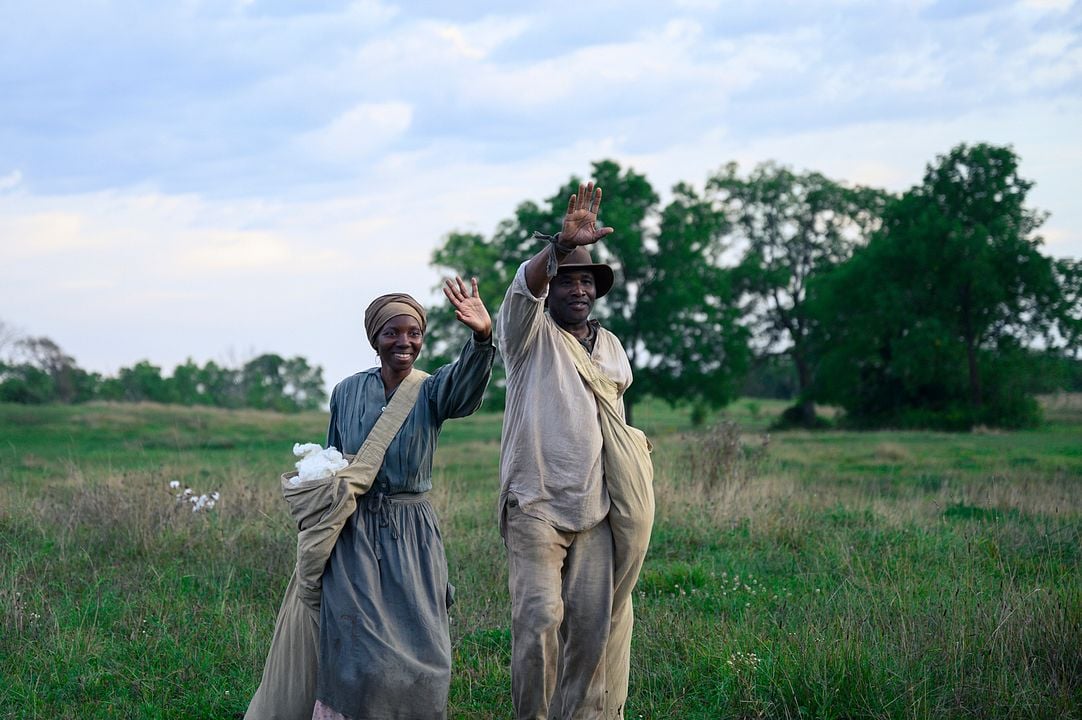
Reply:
x=316, y=462
x=199, y=502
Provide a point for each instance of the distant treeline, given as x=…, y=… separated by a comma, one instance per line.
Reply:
x=35, y=370
x=930, y=308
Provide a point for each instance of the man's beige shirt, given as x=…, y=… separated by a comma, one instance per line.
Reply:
x=550, y=458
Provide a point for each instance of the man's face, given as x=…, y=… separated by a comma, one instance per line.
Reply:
x=571, y=297
x=399, y=343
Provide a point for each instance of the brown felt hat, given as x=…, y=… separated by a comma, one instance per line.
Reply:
x=580, y=259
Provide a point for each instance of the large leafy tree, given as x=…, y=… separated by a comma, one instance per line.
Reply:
x=931, y=323
x=791, y=226
x=671, y=305
x=687, y=310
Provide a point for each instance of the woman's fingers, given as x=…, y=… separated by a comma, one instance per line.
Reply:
x=457, y=292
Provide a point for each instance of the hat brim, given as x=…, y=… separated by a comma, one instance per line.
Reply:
x=603, y=275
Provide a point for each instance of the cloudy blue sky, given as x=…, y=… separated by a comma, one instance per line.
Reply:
x=219, y=179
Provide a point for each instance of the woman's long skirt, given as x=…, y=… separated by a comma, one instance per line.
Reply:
x=384, y=638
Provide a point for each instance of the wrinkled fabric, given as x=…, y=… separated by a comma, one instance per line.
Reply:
x=384, y=635
x=629, y=476
x=550, y=451
x=321, y=510
x=453, y=391
x=289, y=687
x=384, y=643
x=558, y=657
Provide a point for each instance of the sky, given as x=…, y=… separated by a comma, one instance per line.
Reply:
x=217, y=180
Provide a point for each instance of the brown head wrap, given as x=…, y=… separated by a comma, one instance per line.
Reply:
x=386, y=307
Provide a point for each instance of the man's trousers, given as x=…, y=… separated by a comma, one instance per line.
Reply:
x=561, y=603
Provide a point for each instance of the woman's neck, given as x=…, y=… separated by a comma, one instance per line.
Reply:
x=391, y=379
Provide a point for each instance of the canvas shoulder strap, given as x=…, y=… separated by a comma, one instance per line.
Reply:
x=601, y=384
x=361, y=472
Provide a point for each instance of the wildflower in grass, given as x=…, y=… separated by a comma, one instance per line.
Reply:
x=743, y=661
x=199, y=502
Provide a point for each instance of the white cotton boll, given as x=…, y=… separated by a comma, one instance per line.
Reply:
x=306, y=449
x=215, y=496
x=174, y=484
x=319, y=465
x=187, y=492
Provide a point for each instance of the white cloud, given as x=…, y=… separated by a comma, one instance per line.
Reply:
x=359, y=133
x=41, y=234
x=234, y=250
x=1057, y=5
x=199, y=184
x=11, y=180
x=476, y=41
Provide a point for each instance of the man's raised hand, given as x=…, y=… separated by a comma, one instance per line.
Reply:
x=580, y=222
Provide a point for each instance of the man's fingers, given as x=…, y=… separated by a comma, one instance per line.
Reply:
x=474, y=283
x=602, y=232
x=596, y=201
x=462, y=287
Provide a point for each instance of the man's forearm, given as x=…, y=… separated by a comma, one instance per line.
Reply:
x=541, y=267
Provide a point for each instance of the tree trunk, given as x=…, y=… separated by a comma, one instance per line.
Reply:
x=975, y=399
x=975, y=394
x=804, y=380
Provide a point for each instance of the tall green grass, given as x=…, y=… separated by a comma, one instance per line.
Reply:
x=820, y=575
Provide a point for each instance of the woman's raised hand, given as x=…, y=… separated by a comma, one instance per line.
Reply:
x=469, y=309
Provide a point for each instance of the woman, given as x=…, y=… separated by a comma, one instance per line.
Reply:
x=384, y=640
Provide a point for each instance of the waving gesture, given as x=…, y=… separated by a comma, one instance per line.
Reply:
x=469, y=309
x=580, y=222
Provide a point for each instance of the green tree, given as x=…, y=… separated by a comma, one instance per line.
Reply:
x=683, y=342
x=220, y=386
x=24, y=383
x=791, y=226
x=1068, y=307
x=45, y=355
x=931, y=323
x=144, y=382
x=272, y=382
x=185, y=382
x=686, y=317
x=303, y=384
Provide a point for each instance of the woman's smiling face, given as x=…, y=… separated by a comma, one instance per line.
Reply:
x=399, y=343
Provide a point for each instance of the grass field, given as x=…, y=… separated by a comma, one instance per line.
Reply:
x=818, y=575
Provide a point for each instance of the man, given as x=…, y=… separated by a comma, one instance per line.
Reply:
x=571, y=564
